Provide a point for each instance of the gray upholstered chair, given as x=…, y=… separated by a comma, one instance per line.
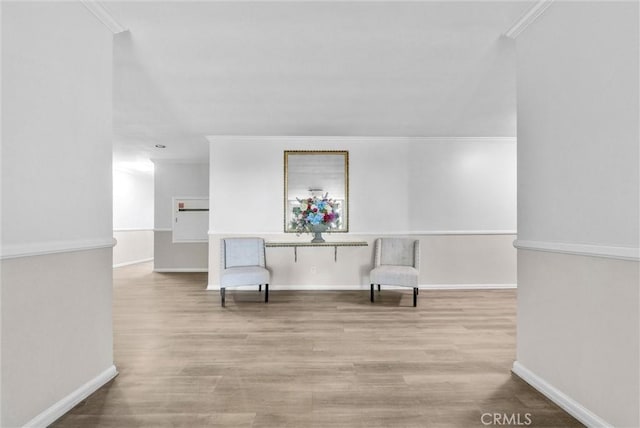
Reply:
x=397, y=262
x=242, y=262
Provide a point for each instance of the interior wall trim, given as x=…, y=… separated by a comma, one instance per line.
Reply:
x=180, y=270
x=567, y=403
x=162, y=229
x=104, y=16
x=133, y=229
x=276, y=287
x=399, y=233
x=54, y=247
x=50, y=415
x=620, y=253
x=528, y=18
x=335, y=138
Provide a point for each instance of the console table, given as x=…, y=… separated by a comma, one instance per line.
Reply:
x=335, y=246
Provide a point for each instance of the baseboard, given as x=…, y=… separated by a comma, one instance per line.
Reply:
x=276, y=287
x=565, y=402
x=180, y=270
x=468, y=286
x=54, y=412
x=135, y=262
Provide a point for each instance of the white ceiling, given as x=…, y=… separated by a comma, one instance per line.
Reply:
x=186, y=70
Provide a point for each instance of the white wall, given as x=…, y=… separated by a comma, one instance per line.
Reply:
x=462, y=185
x=578, y=193
x=133, y=200
x=579, y=99
x=397, y=185
x=56, y=198
x=133, y=204
x=181, y=179
x=456, y=195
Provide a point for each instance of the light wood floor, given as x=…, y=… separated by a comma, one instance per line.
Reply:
x=308, y=359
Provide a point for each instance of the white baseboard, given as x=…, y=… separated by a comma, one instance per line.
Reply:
x=468, y=286
x=135, y=262
x=388, y=287
x=180, y=270
x=54, y=412
x=565, y=402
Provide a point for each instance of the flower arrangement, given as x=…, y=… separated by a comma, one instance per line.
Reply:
x=315, y=211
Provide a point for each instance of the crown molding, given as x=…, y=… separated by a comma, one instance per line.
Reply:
x=527, y=19
x=351, y=139
x=104, y=16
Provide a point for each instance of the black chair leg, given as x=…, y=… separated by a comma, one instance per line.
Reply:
x=260, y=287
x=222, y=296
x=378, y=287
x=415, y=296
x=266, y=293
x=417, y=291
x=372, y=292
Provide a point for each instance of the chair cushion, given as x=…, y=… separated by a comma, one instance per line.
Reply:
x=397, y=251
x=395, y=275
x=244, y=252
x=245, y=275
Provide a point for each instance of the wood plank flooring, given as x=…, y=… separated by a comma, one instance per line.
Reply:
x=308, y=359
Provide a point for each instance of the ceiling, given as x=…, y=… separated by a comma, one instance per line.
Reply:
x=186, y=70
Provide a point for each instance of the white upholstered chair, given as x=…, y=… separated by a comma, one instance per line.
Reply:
x=397, y=262
x=242, y=262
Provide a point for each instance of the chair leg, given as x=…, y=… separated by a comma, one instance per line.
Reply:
x=378, y=287
x=415, y=296
x=417, y=291
x=266, y=293
x=222, y=296
x=372, y=292
x=260, y=287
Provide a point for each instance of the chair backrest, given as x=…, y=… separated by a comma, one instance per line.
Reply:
x=397, y=252
x=237, y=252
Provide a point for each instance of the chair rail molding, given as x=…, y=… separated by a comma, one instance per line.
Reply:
x=365, y=287
x=369, y=233
x=620, y=253
x=12, y=251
